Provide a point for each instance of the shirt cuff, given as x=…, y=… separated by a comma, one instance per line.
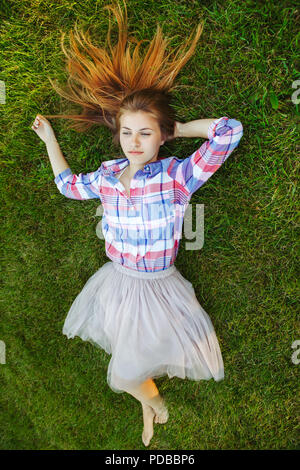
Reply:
x=62, y=175
x=211, y=132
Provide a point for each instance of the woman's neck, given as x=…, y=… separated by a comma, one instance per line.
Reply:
x=132, y=168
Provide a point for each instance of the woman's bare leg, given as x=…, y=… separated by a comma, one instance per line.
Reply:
x=148, y=415
x=148, y=394
x=153, y=407
x=149, y=390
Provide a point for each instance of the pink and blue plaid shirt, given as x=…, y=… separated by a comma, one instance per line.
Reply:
x=143, y=232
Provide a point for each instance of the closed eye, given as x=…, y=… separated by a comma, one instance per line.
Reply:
x=127, y=133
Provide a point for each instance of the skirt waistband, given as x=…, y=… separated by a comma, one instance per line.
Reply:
x=145, y=274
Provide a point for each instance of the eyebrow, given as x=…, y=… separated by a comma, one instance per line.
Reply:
x=144, y=128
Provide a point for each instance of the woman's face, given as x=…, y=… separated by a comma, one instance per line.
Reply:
x=140, y=131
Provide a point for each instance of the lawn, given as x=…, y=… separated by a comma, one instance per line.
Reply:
x=54, y=393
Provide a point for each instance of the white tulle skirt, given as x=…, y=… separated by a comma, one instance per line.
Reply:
x=151, y=323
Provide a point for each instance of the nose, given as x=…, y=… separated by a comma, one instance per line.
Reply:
x=135, y=140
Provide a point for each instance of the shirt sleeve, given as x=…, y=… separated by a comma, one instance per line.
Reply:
x=224, y=135
x=82, y=186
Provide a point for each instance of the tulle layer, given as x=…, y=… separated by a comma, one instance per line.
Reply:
x=151, y=323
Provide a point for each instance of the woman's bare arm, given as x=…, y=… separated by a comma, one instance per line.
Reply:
x=57, y=160
x=43, y=129
x=197, y=128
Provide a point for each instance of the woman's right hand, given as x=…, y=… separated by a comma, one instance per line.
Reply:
x=43, y=129
x=176, y=132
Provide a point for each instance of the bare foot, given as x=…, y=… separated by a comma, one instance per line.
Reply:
x=148, y=415
x=161, y=414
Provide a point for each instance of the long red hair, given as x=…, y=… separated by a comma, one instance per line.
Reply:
x=105, y=87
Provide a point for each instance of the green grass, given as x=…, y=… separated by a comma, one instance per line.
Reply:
x=54, y=393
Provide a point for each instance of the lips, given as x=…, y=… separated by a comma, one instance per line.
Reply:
x=136, y=153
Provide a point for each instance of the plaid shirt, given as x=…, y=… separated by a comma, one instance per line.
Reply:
x=143, y=232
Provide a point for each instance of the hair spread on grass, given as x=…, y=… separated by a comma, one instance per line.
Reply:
x=106, y=86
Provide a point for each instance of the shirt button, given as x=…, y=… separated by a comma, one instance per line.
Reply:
x=147, y=167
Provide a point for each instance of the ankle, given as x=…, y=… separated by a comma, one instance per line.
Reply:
x=158, y=403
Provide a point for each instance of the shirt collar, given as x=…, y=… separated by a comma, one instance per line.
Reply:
x=114, y=166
